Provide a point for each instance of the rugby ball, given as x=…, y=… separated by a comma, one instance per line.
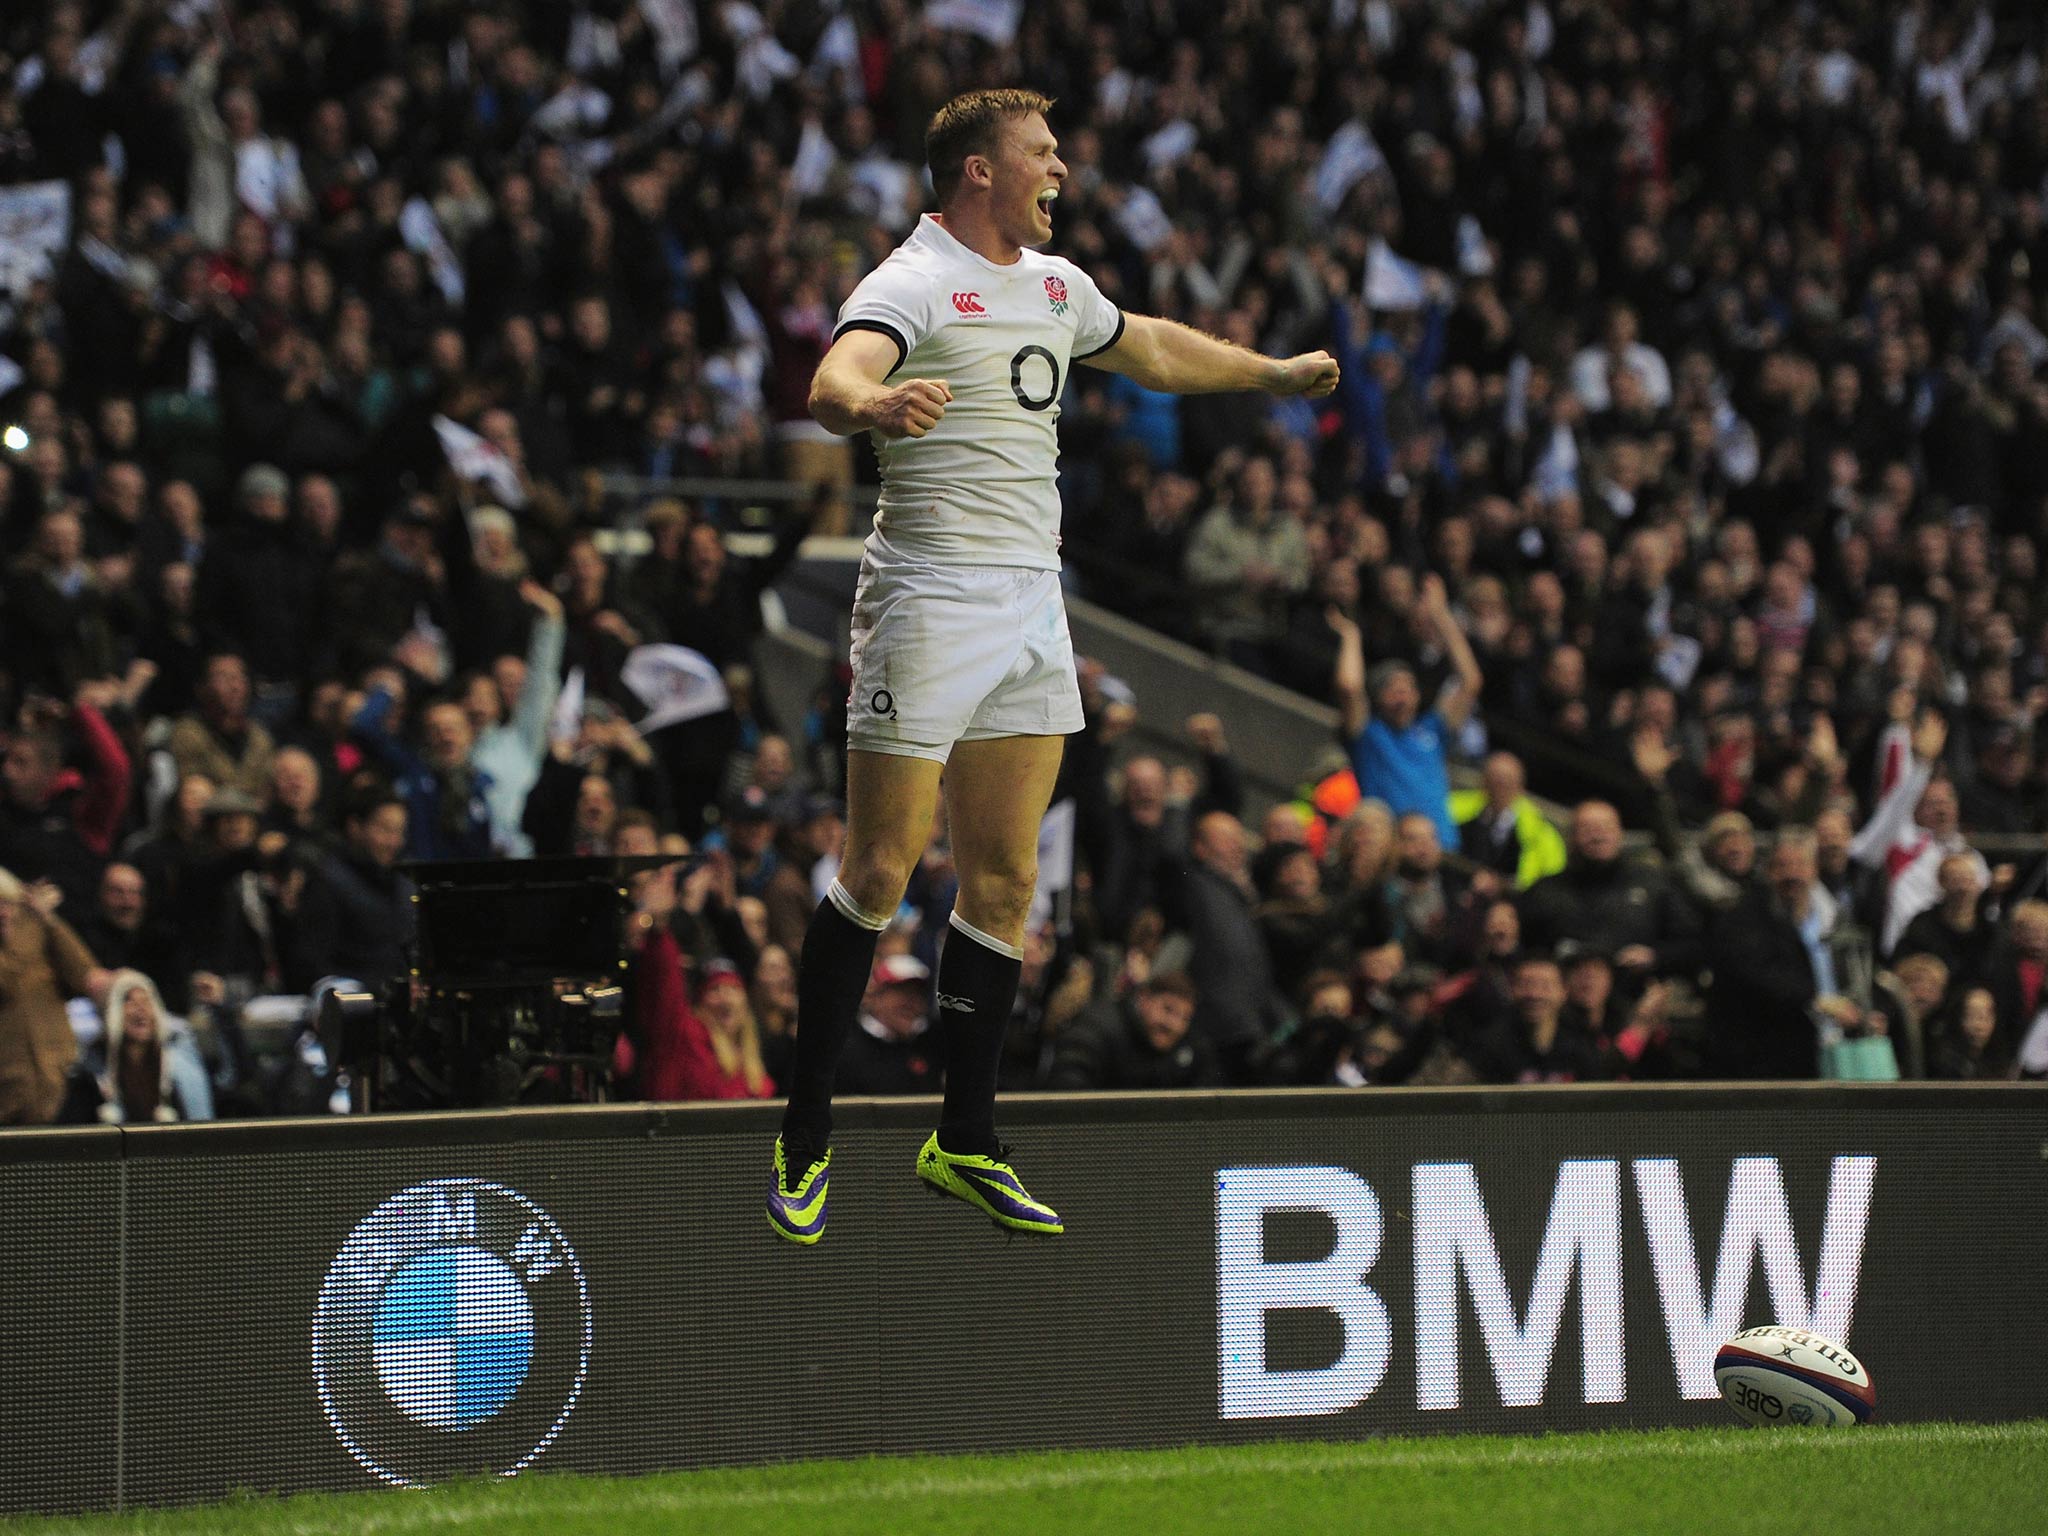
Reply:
x=1774, y=1375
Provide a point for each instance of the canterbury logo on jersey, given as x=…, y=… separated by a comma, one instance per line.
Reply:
x=957, y=1004
x=968, y=303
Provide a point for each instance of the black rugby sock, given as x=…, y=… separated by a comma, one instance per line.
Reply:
x=831, y=979
x=977, y=989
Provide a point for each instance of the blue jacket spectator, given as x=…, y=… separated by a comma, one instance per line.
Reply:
x=446, y=794
x=1397, y=748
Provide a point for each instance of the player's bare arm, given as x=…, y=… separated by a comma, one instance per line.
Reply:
x=1180, y=360
x=848, y=394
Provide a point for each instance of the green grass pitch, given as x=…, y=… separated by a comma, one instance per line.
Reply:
x=1984, y=1480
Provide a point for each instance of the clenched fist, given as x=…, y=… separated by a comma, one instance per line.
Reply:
x=1312, y=373
x=911, y=409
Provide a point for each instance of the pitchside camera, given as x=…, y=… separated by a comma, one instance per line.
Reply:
x=513, y=996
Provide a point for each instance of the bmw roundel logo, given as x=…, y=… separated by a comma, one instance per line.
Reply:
x=452, y=1334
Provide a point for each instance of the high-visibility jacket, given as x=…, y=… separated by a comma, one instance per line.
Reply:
x=1323, y=805
x=1542, y=845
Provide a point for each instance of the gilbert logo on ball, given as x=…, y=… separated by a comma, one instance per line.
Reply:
x=1780, y=1375
x=452, y=1334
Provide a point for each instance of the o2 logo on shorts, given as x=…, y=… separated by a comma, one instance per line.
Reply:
x=883, y=703
x=452, y=1334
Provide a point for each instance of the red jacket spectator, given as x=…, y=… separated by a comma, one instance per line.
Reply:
x=58, y=823
x=672, y=1053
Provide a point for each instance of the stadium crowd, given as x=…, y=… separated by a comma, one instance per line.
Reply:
x=1690, y=468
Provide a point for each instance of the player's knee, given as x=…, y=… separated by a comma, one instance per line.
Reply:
x=876, y=878
x=999, y=897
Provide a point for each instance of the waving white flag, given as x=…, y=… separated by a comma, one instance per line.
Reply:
x=675, y=683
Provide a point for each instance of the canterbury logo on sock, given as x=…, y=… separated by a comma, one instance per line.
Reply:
x=957, y=1004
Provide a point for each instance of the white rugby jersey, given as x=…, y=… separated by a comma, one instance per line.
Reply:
x=979, y=488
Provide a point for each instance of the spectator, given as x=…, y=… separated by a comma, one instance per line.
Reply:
x=1620, y=352
x=259, y=593
x=716, y=610
x=1327, y=1040
x=168, y=856
x=55, y=824
x=42, y=963
x=1996, y=799
x=1477, y=1000
x=1628, y=1028
x=1917, y=992
x=674, y=1051
x=1054, y=985
x=654, y=583
x=511, y=729
x=1142, y=1042
x=2019, y=983
x=230, y=931
x=1600, y=897
x=1245, y=563
x=1398, y=750
x=1145, y=838
x=1500, y=827
x=60, y=623
x=1538, y=1046
x=295, y=816
x=1912, y=830
x=1955, y=930
x=585, y=783
x=1240, y=1007
x=1636, y=637
x=735, y=1036
x=447, y=797
x=821, y=841
x=1971, y=1045
x=1590, y=1005
x=379, y=596
x=1718, y=868
x=1774, y=980
x=150, y=1068
x=760, y=871
x=219, y=740
x=1851, y=892
x=773, y=773
x=170, y=642
x=893, y=1051
x=1426, y=901
x=1297, y=922
x=773, y=997
x=124, y=935
x=353, y=914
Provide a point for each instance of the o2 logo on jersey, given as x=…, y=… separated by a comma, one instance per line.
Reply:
x=452, y=1334
x=883, y=702
x=1056, y=294
x=968, y=303
x=1033, y=369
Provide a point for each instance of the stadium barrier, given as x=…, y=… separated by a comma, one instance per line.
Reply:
x=191, y=1311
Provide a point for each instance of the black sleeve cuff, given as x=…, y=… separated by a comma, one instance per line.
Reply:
x=884, y=328
x=1116, y=336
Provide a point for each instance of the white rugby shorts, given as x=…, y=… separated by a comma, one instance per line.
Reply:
x=958, y=653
